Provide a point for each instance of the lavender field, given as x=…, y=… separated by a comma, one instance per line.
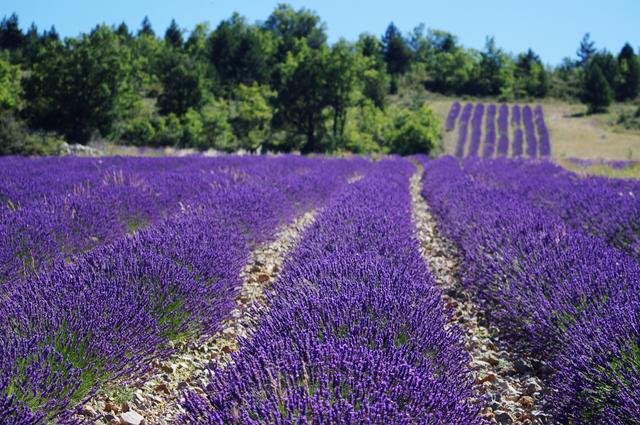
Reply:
x=289, y=289
x=521, y=130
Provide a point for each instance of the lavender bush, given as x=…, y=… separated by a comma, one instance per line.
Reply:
x=563, y=295
x=453, y=116
x=532, y=141
x=490, y=138
x=463, y=130
x=543, y=133
x=356, y=330
x=503, y=130
x=103, y=314
x=476, y=131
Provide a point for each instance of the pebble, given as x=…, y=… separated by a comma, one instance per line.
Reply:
x=89, y=412
x=132, y=418
x=504, y=417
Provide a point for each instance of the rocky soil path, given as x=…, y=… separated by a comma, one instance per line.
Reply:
x=508, y=384
x=156, y=400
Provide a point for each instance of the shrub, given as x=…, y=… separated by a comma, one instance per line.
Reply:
x=414, y=132
x=15, y=139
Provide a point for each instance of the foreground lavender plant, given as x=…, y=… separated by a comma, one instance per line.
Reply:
x=355, y=332
x=565, y=296
x=105, y=314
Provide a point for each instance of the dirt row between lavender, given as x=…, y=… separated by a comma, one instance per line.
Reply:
x=157, y=399
x=508, y=383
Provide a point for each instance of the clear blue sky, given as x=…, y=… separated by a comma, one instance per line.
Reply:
x=553, y=28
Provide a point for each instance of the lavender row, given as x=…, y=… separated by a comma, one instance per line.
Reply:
x=503, y=130
x=543, y=132
x=106, y=314
x=463, y=130
x=476, y=130
x=586, y=163
x=527, y=124
x=490, y=138
x=355, y=332
x=532, y=141
x=565, y=296
x=453, y=116
x=606, y=208
x=112, y=202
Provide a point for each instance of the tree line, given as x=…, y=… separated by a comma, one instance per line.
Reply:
x=276, y=85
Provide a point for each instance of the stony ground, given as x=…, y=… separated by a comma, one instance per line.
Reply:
x=509, y=383
x=156, y=399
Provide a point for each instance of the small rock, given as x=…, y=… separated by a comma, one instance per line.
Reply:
x=132, y=418
x=111, y=419
x=168, y=368
x=89, y=412
x=110, y=407
x=532, y=387
x=521, y=366
x=526, y=401
x=162, y=388
x=138, y=396
x=504, y=417
x=488, y=378
x=492, y=360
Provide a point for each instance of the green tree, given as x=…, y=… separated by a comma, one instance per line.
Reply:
x=372, y=69
x=597, y=93
x=397, y=54
x=302, y=97
x=173, y=35
x=494, y=72
x=609, y=67
x=11, y=36
x=10, y=89
x=289, y=26
x=586, y=50
x=530, y=76
x=629, y=67
x=146, y=29
x=449, y=67
x=241, y=53
x=183, y=83
x=82, y=86
x=218, y=131
x=341, y=84
x=251, y=115
x=197, y=43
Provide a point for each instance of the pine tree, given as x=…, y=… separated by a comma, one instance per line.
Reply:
x=586, y=50
x=145, y=28
x=11, y=36
x=173, y=36
x=629, y=74
x=597, y=93
x=397, y=53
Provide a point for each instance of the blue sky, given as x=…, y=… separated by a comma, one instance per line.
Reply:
x=553, y=28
